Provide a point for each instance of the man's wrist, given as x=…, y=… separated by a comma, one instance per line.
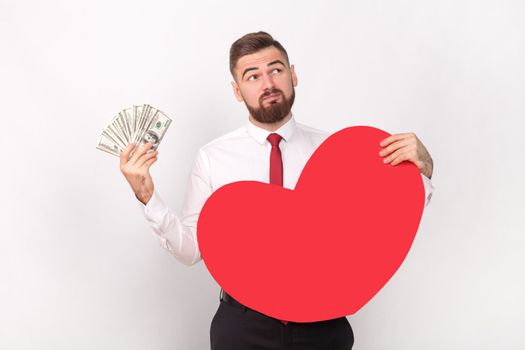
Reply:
x=144, y=197
x=428, y=171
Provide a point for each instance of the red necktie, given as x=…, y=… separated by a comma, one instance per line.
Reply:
x=276, y=162
x=276, y=165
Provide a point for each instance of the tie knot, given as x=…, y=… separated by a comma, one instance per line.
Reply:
x=274, y=139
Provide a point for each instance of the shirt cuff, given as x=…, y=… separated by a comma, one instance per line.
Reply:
x=429, y=189
x=154, y=209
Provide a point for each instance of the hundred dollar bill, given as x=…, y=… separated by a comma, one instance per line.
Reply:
x=156, y=128
x=105, y=144
x=125, y=121
x=117, y=135
x=143, y=118
x=107, y=135
x=114, y=129
x=137, y=112
x=128, y=116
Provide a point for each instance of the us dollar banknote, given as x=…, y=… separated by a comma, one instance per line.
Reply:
x=139, y=124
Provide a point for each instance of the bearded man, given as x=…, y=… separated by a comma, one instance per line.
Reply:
x=271, y=147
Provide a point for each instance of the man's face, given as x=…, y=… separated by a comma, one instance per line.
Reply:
x=266, y=84
x=150, y=138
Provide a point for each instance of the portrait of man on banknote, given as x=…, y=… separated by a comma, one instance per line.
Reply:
x=151, y=137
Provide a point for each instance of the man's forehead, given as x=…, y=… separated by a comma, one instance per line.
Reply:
x=260, y=58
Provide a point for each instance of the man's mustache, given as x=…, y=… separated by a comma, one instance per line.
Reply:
x=269, y=92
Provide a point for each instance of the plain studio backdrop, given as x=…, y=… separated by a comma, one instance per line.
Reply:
x=79, y=267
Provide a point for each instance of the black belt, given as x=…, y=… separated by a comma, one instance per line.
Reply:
x=228, y=299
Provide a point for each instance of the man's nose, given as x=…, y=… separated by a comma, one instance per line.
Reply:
x=268, y=83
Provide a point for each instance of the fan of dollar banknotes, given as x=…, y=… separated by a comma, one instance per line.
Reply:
x=138, y=124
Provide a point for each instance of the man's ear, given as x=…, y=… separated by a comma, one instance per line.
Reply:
x=237, y=91
x=294, y=76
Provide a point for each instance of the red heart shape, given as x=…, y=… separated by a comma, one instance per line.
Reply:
x=324, y=249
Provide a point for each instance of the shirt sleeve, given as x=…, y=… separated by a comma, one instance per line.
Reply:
x=429, y=189
x=179, y=234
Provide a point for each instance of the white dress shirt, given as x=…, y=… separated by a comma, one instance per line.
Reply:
x=243, y=154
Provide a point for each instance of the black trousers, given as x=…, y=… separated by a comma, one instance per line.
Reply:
x=241, y=328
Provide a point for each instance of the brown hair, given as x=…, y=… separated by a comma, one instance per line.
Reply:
x=252, y=43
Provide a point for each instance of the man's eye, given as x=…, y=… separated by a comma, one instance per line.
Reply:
x=252, y=77
x=276, y=71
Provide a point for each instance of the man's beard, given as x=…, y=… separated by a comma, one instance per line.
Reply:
x=276, y=111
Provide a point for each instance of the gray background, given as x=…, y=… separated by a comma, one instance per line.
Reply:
x=79, y=268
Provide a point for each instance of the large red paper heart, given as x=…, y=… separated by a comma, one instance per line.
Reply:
x=324, y=249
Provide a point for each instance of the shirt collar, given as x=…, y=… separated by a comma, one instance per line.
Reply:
x=259, y=134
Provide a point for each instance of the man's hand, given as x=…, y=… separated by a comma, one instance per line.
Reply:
x=136, y=170
x=402, y=147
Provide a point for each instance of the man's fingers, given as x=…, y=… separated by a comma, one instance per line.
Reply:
x=124, y=155
x=407, y=153
x=149, y=162
x=144, y=158
x=140, y=152
x=401, y=158
x=394, y=147
x=393, y=156
x=393, y=138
